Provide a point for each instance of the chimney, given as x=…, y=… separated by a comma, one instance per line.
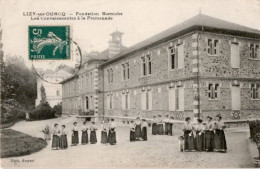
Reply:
x=115, y=44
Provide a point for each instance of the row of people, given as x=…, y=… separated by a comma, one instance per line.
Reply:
x=162, y=126
x=209, y=137
x=108, y=135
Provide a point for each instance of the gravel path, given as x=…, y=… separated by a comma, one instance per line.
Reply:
x=157, y=152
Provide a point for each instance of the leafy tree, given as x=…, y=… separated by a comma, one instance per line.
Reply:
x=43, y=95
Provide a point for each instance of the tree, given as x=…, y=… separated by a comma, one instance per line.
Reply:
x=43, y=95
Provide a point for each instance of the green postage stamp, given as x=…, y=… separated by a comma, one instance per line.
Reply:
x=49, y=42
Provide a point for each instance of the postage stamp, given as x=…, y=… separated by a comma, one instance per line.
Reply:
x=49, y=42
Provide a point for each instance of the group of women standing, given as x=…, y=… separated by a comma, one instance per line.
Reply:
x=138, y=130
x=209, y=137
x=161, y=127
x=108, y=135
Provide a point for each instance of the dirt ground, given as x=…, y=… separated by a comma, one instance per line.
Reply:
x=157, y=152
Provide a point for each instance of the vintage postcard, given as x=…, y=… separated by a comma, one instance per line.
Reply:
x=165, y=84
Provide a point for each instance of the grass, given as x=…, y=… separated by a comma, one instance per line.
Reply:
x=14, y=143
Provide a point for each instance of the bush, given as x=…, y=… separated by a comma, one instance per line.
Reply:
x=58, y=109
x=14, y=143
x=10, y=114
x=42, y=111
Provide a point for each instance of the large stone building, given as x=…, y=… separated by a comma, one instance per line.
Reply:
x=203, y=66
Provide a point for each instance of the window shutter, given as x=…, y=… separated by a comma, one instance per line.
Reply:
x=123, y=101
x=180, y=57
x=181, y=98
x=128, y=100
x=143, y=100
x=235, y=96
x=177, y=99
x=172, y=99
x=258, y=53
x=150, y=99
x=176, y=58
x=108, y=102
x=235, y=59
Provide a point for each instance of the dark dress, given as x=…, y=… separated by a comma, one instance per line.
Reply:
x=138, y=131
x=169, y=128
x=104, y=138
x=166, y=124
x=154, y=128
x=84, y=137
x=132, y=133
x=209, y=137
x=93, y=135
x=160, y=127
x=112, y=136
x=220, y=141
x=220, y=144
x=144, y=133
x=55, y=139
x=75, y=137
x=63, y=140
x=188, y=138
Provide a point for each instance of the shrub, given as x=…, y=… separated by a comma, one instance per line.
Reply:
x=57, y=109
x=42, y=111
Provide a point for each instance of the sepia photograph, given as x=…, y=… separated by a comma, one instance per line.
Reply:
x=130, y=84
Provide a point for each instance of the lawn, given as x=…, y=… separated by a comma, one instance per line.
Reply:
x=14, y=143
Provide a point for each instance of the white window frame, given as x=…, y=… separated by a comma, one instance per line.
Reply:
x=255, y=91
x=212, y=49
x=254, y=50
x=213, y=92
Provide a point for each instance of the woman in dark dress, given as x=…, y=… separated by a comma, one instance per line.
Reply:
x=160, y=125
x=138, y=129
x=209, y=135
x=93, y=135
x=144, y=130
x=188, y=136
x=63, y=138
x=170, y=124
x=166, y=124
x=112, y=132
x=75, y=135
x=199, y=136
x=104, y=138
x=154, y=126
x=56, y=138
x=132, y=131
x=220, y=144
x=84, y=136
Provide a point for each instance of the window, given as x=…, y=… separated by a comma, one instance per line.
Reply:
x=176, y=99
x=149, y=65
x=213, y=47
x=235, y=97
x=126, y=101
x=57, y=93
x=124, y=71
x=110, y=101
x=173, y=58
x=128, y=70
x=146, y=65
x=235, y=57
x=254, y=51
x=176, y=57
x=108, y=76
x=143, y=66
x=146, y=100
x=255, y=91
x=213, y=91
x=87, y=103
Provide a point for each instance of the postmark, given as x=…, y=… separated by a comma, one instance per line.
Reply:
x=49, y=42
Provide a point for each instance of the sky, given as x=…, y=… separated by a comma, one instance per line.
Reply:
x=141, y=19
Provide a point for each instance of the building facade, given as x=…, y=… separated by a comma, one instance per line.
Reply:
x=202, y=67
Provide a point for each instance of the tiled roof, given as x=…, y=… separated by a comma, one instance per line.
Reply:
x=197, y=22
